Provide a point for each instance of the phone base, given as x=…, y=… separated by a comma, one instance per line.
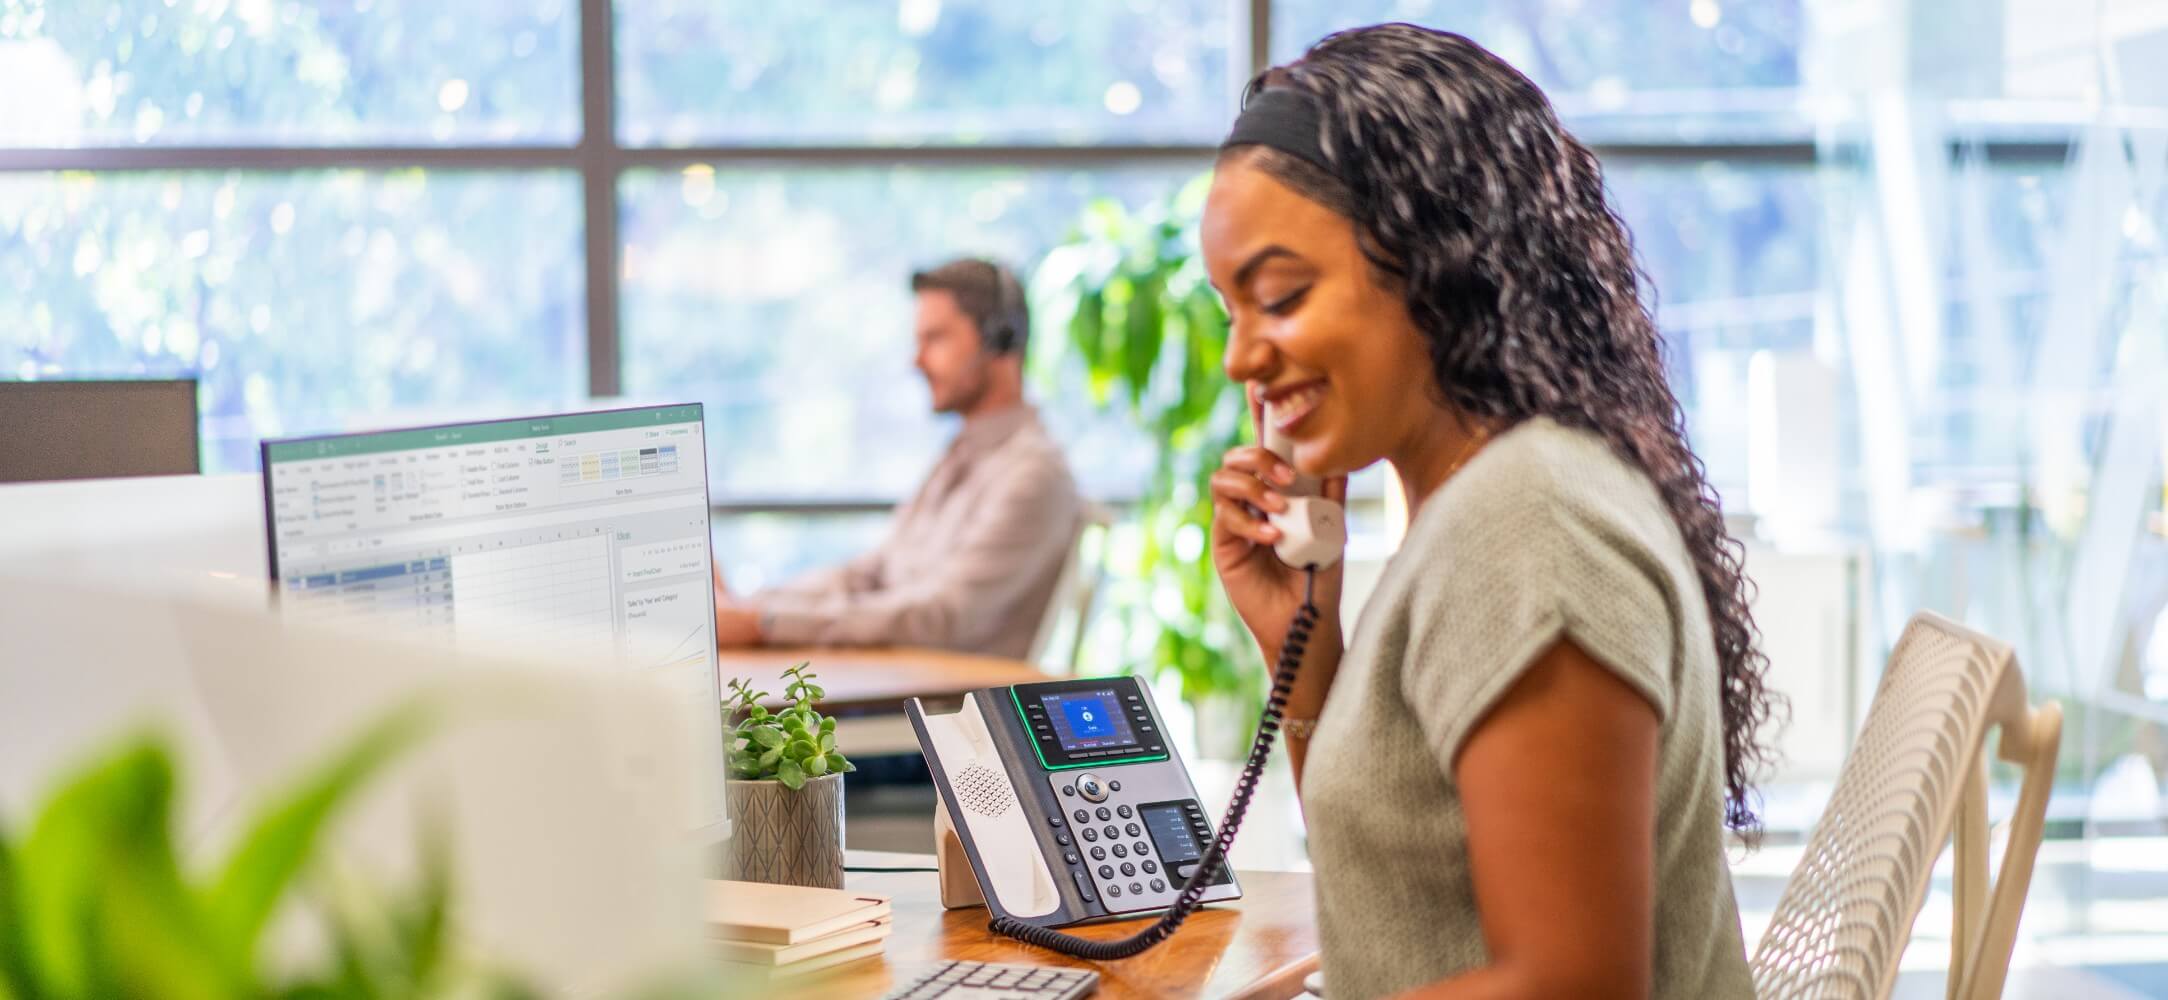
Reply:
x=959, y=887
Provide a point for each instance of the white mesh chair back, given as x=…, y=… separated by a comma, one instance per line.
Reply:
x=1916, y=774
x=1059, y=642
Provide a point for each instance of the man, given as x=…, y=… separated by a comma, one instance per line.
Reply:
x=972, y=559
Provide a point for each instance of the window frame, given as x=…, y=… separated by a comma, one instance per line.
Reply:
x=600, y=160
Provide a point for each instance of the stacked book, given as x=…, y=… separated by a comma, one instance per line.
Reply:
x=781, y=932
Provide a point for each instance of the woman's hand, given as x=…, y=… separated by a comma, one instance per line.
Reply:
x=1264, y=591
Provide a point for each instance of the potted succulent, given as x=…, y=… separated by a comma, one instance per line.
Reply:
x=785, y=787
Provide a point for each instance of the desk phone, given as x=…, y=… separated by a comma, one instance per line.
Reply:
x=1070, y=803
x=1069, y=800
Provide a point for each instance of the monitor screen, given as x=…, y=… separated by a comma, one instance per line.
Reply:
x=582, y=534
x=1087, y=720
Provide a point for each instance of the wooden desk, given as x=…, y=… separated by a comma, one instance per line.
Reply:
x=877, y=680
x=1256, y=947
x=867, y=687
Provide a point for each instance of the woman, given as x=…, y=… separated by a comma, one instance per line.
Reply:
x=1518, y=774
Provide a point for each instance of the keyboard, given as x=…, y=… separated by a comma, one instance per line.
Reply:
x=988, y=981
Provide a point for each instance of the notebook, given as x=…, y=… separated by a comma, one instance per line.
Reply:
x=770, y=973
x=764, y=913
x=785, y=954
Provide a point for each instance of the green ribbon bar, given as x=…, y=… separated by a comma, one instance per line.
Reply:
x=372, y=442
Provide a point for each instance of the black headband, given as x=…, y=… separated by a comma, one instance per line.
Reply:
x=1285, y=119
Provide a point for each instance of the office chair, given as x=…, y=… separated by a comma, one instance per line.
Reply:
x=1917, y=773
x=1059, y=643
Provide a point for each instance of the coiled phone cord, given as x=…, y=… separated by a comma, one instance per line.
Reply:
x=1192, y=895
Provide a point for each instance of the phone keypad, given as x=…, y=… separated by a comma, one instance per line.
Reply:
x=1119, y=860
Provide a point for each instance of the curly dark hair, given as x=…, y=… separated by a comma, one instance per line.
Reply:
x=1470, y=197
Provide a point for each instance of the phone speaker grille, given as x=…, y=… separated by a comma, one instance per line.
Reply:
x=983, y=791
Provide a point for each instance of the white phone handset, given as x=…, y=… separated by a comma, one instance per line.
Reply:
x=1313, y=529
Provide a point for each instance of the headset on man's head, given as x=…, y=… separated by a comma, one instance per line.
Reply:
x=1004, y=332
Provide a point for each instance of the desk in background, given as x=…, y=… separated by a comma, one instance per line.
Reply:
x=867, y=688
x=1256, y=947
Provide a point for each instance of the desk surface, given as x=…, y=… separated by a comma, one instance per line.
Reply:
x=1258, y=946
x=877, y=680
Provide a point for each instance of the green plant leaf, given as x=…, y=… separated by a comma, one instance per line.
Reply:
x=59, y=870
x=418, y=944
x=767, y=760
x=837, y=764
x=282, y=837
x=1142, y=337
x=770, y=736
x=16, y=982
x=828, y=725
x=801, y=749
x=816, y=765
x=64, y=860
x=1087, y=329
x=790, y=774
x=828, y=740
x=132, y=927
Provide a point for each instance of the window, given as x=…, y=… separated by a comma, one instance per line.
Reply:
x=781, y=298
x=965, y=72
x=1645, y=72
x=283, y=72
x=302, y=300
x=443, y=267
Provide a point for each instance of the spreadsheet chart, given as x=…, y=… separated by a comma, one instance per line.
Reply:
x=546, y=592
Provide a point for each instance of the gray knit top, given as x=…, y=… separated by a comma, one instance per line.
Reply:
x=1546, y=534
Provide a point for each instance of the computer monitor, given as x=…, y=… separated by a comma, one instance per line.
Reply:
x=585, y=535
x=68, y=429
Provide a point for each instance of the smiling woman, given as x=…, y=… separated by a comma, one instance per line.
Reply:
x=1551, y=705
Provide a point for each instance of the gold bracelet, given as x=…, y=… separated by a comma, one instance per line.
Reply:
x=1298, y=728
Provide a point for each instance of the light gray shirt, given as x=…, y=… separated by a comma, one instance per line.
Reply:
x=969, y=564
x=1547, y=534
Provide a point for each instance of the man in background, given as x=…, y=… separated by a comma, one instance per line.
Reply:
x=972, y=559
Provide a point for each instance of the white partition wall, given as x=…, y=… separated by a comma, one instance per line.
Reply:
x=201, y=533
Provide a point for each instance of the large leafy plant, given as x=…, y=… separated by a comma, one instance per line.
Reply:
x=1151, y=336
x=95, y=900
x=790, y=745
